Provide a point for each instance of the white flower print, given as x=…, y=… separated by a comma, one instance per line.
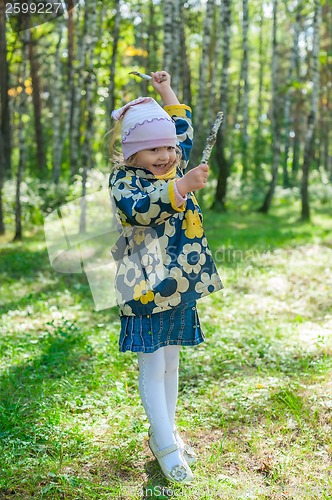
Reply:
x=175, y=284
x=207, y=283
x=146, y=217
x=117, y=192
x=170, y=226
x=205, y=245
x=163, y=243
x=164, y=216
x=192, y=258
x=130, y=271
x=126, y=310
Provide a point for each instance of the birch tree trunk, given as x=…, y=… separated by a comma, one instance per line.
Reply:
x=213, y=94
x=21, y=138
x=152, y=41
x=288, y=100
x=313, y=116
x=5, y=165
x=2, y=163
x=222, y=163
x=185, y=66
x=326, y=91
x=245, y=114
x=140, y=43
x=76, y=98
x=297, y=125
x=176, y=46
x=34, y=72
x=4, y=110
x=242, y=100
x=274, y=116
x=89, y=88
x=258, y=138
x=111, y=87
x=200, y=108
x=57, y=105
x=168, y=35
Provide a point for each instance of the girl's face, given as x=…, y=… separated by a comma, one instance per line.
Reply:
x=158, y=160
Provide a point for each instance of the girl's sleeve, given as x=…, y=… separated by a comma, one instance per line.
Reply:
x=143, y=206
x=181, y=114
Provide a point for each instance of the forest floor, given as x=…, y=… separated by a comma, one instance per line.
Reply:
x=255, y=399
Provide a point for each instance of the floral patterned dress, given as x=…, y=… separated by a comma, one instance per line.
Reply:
x=163, y=260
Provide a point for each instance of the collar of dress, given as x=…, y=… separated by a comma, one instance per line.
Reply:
x=146, y=174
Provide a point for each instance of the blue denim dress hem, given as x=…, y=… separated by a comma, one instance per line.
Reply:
x=177, y=326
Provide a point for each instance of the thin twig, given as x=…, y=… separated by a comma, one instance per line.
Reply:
x=146, y=77
x=210, y=141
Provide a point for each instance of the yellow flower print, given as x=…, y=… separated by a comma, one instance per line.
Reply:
x=123, y=219
x=142, y=293
x=192, y=225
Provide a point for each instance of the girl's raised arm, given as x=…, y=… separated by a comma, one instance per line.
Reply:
x=161, y=82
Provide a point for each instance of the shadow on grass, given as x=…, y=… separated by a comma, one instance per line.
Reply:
x=156, y=486
x=34, y=393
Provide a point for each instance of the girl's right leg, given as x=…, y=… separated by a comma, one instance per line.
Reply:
x=152, y=391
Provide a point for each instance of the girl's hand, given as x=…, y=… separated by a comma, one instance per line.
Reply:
x=161, y=82
x=193, y=180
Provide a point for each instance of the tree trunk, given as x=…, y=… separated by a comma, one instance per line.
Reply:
x=5, y=165
x=288, y=101
x=222, y=164
x=185, y=66
x=213, y=94
x=57, y=105
x=245, y=114
x=2, y=163
x=274, y=117
x=176, y=46
x=70, y=31
x=21, y=138
x=90, y=20
x=168, y=35
x=34, y=72
x=297, y=126
x=111, y=87
x=76, y=99
x=200, y=108
x=152, y=39
x=258, y=138
x=312, y=119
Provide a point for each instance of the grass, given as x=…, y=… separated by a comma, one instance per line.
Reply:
x=255, y=399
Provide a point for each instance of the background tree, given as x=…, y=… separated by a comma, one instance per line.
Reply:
x=274, y=115
x=313, y=116
x=222, y=163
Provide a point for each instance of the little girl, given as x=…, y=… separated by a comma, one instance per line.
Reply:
x=163, y=260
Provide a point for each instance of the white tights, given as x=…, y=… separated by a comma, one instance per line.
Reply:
x=158, y=386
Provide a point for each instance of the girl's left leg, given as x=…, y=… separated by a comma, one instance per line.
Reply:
x=172, y=357
x=152, y=391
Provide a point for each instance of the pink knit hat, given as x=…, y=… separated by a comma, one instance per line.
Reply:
x=145, y=125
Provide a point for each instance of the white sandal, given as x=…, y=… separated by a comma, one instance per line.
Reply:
x=179, y=473
x=187, y=451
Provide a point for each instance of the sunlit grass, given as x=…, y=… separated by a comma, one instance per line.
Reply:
x=255, y=398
